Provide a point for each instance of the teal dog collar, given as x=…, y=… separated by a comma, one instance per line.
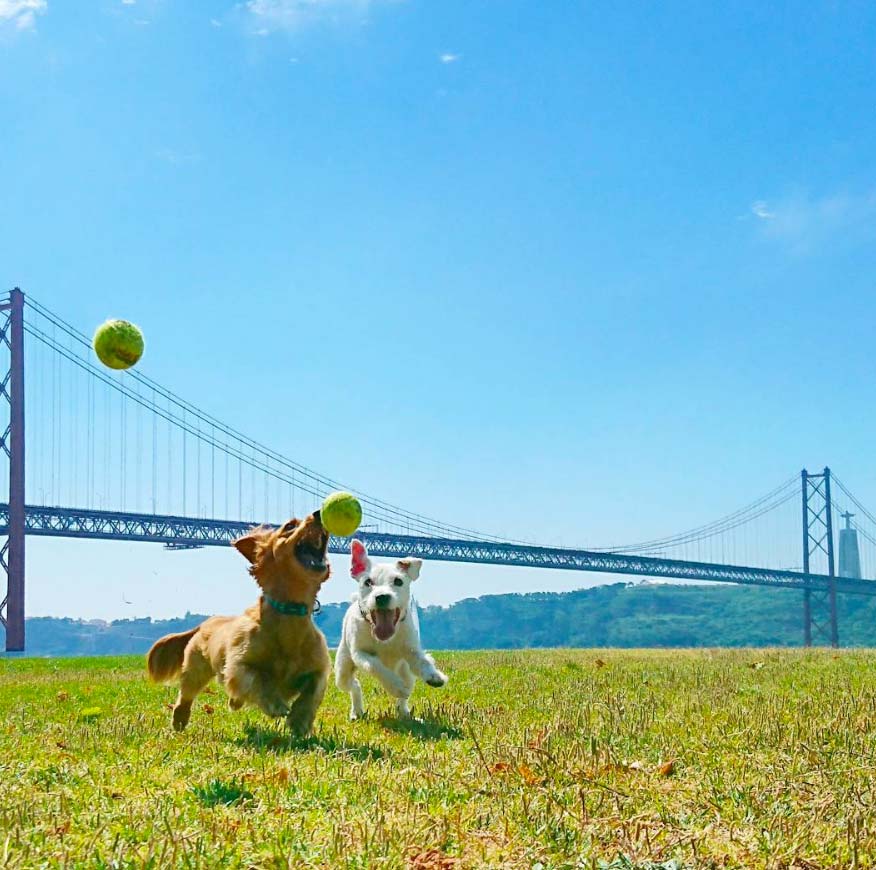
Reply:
x=287, y=608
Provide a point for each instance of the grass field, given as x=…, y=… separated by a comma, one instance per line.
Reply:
x=546, y=759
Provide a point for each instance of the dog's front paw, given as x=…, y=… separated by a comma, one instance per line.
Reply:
x=181, y=713
x=300, y=725
x=402, y=711
x=357, y=710
x=436, y=680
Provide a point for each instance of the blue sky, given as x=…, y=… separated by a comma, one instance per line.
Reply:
x=572, y=272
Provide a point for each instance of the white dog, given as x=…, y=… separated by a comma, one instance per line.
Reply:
x=381, y=633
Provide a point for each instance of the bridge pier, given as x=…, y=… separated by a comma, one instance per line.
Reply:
x=12, y=444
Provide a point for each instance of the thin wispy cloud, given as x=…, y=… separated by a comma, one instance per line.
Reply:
x=215, y=22
x=21, y=14
x=448, y=57
x=268, y=16
x=177, y=158
x=804, y=223
x=760, y=209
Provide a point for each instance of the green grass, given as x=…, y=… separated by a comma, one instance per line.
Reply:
x=527, y=759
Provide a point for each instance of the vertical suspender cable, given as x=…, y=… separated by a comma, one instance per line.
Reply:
x=198, y=502
x=154, y=456
x=123, y=446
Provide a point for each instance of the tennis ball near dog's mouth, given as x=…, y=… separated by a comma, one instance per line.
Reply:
x=118, y=344
x=341, y=514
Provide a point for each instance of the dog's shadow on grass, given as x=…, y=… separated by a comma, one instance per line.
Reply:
x=280, y=742
x=426, y=728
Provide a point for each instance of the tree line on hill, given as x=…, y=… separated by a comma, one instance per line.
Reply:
x=617, y=615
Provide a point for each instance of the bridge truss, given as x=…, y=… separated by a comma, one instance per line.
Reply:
x=184, y=532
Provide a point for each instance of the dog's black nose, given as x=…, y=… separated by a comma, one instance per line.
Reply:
x=382, y=600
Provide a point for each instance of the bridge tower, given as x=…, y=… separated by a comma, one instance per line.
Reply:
x=819, y=606
x=12, y=444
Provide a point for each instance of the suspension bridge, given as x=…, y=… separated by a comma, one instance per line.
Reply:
x=96, y=454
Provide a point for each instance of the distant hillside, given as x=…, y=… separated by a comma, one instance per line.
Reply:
x=619, y=615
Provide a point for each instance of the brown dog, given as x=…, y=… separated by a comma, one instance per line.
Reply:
x=272, y=652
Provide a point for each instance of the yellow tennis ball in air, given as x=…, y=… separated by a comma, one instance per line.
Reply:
x=341, y=514
x=118, y=344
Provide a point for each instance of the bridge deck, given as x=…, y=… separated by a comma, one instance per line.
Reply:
x=184, y=532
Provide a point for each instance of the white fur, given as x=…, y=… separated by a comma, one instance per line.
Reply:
x=397, y=661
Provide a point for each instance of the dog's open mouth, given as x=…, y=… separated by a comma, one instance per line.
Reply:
x=312, y=555
x=383, y=623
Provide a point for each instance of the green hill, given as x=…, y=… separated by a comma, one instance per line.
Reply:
x=619, y=615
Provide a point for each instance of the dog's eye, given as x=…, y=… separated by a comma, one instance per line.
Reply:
x=368, y=582
x=399, y=581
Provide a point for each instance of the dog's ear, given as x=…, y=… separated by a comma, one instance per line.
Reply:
x=360, y=562
x=410, y=567
x=248, y=545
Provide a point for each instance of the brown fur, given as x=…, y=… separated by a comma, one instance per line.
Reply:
x=263, y=657
x=165, y=659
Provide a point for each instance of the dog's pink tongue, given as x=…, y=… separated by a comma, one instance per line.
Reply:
x=384, y=623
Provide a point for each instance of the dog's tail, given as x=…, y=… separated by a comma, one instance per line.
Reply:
x=164, y=661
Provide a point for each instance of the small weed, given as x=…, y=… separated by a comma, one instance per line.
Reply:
x=217, y=793
x=89, y=714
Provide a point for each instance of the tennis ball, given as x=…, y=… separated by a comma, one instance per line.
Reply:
x=341, y=514
x=118, y=344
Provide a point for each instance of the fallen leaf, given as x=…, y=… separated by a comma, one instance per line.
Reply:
x=432, y=859
x=599, y=663
x=208, y=709
x=63, y=828
x=667, y=768
x=500, y=767
x=530, y=777
x=63, y=696
x=538, y=739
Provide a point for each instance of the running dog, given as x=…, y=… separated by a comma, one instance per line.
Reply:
x=381, y=633
x=273, y=652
